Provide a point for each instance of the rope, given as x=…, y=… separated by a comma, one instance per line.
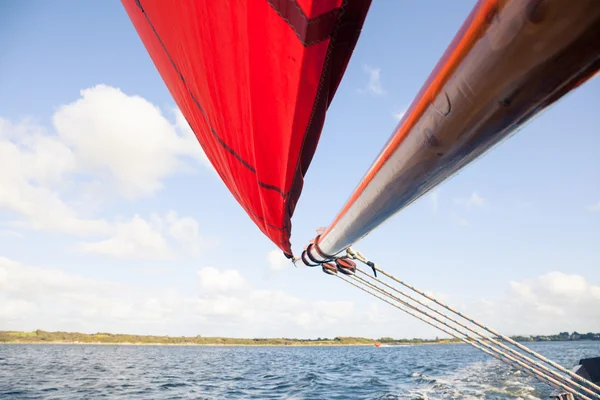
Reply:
x=563, y=383
x=532, y=372
x=527, y=360
x=523, y=362
x=358, y=256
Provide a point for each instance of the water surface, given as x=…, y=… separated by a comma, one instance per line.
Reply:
x=320, y=373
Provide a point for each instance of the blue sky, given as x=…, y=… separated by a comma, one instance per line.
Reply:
x=103, y=231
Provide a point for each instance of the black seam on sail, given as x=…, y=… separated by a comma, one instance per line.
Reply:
x=212, y=130
x=343, y=40
x=344, y=35
x=249, y=211
x=309, y=31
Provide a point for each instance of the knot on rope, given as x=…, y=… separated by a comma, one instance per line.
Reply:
x=355, y=254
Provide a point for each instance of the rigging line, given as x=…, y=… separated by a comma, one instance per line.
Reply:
x=527, y=365
x=515, y=352
x=534, y=373
x=534, y=366
x=360, y=257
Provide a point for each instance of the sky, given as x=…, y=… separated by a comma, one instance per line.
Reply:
x=113, y=220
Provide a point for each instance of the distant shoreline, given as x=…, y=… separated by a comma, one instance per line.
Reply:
x=229, y=345
x=197, y=345
x=44, y=337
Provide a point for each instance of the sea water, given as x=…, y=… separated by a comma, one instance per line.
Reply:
x=453, y=371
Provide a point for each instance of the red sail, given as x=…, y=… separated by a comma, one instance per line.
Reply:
x=254, y=79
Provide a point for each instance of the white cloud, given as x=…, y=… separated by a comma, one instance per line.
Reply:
x=104, y=144
x=16, y=310
x=223, y=304
x=125, y=139
x=551, y=303
x=374, y=84
x=186, y=231
x=473, y=201
x=594, y=207
x=134, y=238
x=277, y=261
x=35, y=169
x=160, y=237
x=212, y=280
x=31, y=297
x=558, y=284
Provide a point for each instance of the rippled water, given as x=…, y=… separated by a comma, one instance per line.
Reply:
x=321, y=373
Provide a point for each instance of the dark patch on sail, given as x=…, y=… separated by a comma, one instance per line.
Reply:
x=309, y=31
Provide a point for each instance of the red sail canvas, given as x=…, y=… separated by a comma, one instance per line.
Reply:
x=254, y=79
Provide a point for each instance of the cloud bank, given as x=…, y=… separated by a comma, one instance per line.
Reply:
x=104, y=147
x=110, y=148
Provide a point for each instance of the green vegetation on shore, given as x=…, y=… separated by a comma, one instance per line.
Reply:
x=560, y=337
x=40, y=336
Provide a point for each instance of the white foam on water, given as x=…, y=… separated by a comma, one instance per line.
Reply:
x=480, y=380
